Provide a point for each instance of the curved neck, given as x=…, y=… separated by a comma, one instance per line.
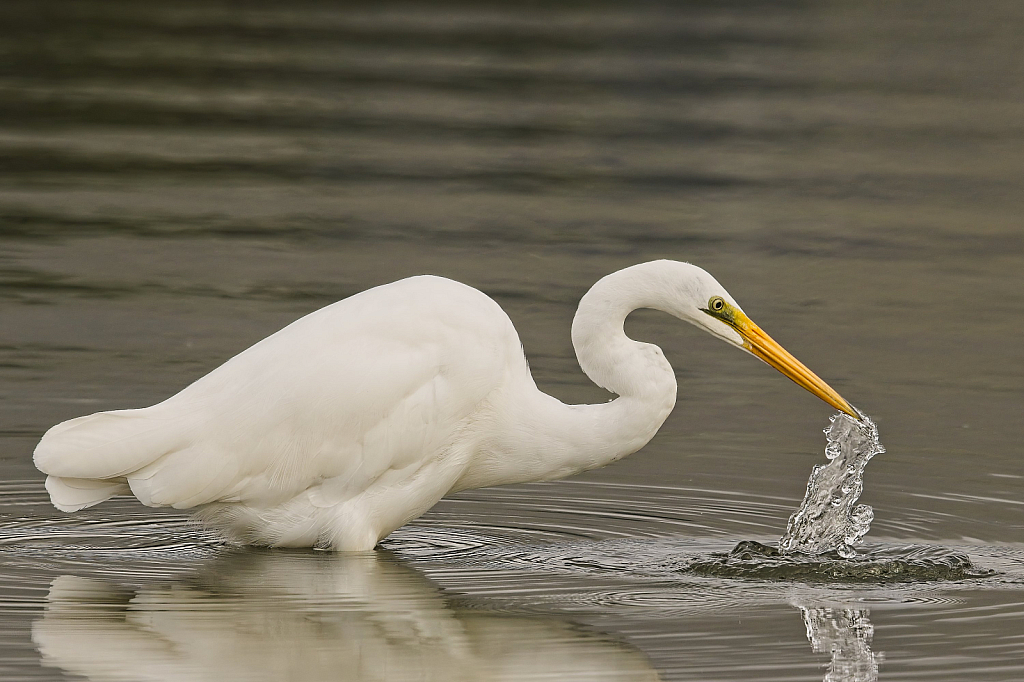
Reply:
x=611, y=359
x=551, y=439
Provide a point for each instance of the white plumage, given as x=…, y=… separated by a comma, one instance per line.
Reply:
x=358, y=417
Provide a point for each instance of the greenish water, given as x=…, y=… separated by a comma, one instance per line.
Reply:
x=178, y=180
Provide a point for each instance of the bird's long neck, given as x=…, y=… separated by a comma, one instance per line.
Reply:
x=559, y=440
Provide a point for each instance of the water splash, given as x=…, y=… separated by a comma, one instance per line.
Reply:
x=819, y=539
x=829, y=519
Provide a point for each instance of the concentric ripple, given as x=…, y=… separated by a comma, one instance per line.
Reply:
x=121, y=537
x=625, y=532
x=657, y=563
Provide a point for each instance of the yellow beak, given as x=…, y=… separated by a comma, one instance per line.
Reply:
x=766, y=348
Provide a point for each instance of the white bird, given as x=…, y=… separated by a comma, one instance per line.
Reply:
x=357, y=418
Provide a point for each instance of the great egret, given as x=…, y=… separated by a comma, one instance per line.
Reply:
x=359, y=417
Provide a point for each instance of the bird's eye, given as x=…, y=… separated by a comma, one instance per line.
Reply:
x=716, y=304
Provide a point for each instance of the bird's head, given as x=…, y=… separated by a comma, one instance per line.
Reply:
x=709, y=306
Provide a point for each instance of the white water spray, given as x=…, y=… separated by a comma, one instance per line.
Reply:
x=829, y=519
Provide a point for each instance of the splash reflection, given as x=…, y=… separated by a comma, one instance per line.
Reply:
x=305, y=616
x=846, y=635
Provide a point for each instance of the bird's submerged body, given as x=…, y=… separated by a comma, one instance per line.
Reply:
x=357, y=418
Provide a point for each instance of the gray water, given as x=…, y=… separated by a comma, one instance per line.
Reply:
x=180, y=179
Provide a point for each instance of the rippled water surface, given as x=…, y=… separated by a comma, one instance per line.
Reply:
x=571, y=580
x=180, y=179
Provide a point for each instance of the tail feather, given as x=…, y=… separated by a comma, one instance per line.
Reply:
x=106, y=445
x=73, y=494
x=89, y=459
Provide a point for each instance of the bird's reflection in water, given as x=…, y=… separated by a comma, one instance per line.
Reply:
x=289, y=616
x=845, y=634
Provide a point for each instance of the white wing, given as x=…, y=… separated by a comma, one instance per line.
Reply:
x=378, y=382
